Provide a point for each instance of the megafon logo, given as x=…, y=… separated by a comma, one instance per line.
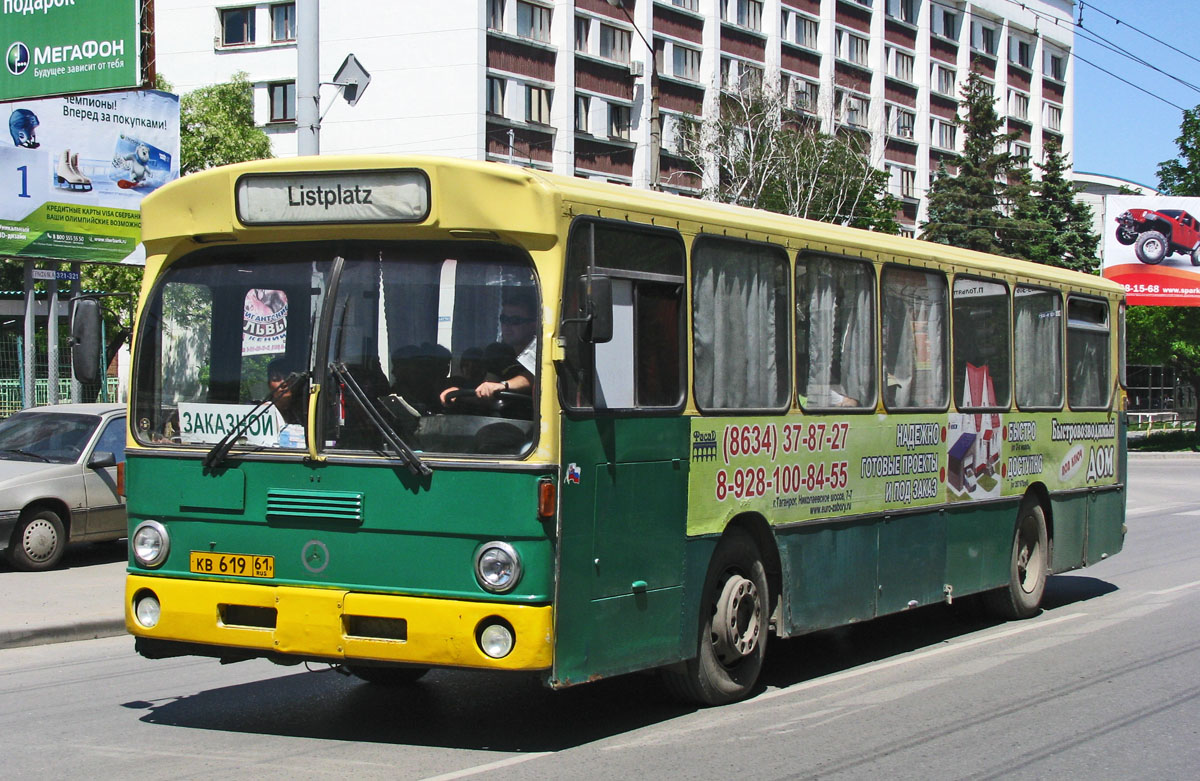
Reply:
x=17, y=58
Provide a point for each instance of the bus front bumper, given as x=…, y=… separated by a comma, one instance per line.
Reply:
x=334, y=625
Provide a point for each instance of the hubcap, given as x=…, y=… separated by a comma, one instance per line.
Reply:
x=40, y=540
x=737, y=621
x=1029, y=559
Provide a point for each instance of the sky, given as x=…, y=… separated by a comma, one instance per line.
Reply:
x=1119, y=129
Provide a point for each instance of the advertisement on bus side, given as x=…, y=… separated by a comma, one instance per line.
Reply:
x=796, y=469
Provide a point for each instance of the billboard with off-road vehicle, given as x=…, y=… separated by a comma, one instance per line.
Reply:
x=1152, y=247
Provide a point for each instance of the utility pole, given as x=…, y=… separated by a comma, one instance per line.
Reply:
x=308, y=77
x=655, y=117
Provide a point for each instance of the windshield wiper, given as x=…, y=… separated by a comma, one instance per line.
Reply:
x=407, y=456
x=25, y=453
x=221, y=449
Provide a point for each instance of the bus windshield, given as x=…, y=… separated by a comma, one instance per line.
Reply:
x=439, y=338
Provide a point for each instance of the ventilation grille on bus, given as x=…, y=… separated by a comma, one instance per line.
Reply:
x=316, y=505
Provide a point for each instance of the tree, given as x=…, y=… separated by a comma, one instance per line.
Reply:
x=1181, y=176
x=1055, y=228
x=761, y=154
x=216, y=125
x=970, y=209
x=1167, y=335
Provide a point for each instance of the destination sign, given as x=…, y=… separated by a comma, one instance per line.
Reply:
x=333, y=196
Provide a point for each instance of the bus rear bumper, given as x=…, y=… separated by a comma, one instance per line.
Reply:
x=287, y=622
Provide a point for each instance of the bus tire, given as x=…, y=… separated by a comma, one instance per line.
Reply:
x=387, y=676
x=38, y=541
x=1028, y=567
x=734, y=616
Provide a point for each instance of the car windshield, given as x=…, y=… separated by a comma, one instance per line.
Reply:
x=229, y=328
x=51, y=437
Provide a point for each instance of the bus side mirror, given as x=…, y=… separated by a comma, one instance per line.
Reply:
x=599, y=327
x=85, y=340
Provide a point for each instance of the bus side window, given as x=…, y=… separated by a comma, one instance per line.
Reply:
x=739, y=325
x=982, y=336
x=1089, y=374
x=914, y=339
x=642, y=366
x=835, y=333
x=1038, y=346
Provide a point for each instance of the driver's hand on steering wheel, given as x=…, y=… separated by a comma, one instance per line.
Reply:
x=485, y=389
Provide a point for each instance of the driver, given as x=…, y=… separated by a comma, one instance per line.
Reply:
x=518, y=334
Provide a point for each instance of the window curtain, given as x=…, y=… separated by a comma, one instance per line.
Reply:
x=739, y=297
x=915, y=339
x=1039, y=349
x=840, y=321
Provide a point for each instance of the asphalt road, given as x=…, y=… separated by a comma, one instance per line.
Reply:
x=1104, y=684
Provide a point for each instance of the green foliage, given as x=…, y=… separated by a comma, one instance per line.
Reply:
x=217, y=127
x=1166, y=335
x=1181, y=176
x=969, y=209
x=1056, y=228
x=760, y=154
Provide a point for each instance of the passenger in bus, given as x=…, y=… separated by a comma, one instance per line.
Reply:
x=289, y=397
x=420, y=374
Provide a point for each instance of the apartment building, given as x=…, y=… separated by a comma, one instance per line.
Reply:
x=566, y=85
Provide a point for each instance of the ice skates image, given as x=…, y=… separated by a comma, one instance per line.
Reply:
x=68, y=176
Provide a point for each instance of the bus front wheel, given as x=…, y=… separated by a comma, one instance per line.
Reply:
x=734, y=616
x=1028, y=567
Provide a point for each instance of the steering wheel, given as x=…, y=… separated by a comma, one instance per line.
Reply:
x=500, y=401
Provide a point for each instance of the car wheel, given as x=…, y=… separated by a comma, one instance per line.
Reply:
x=1126, y=237
x=1151, y=247
x=38, y=541
x=1195, y=256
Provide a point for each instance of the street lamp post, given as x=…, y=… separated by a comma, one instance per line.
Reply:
x=655, y=117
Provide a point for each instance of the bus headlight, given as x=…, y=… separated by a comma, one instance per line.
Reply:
x=150, y=543
x=146, y=609
x=496, y=638
x=497, y=566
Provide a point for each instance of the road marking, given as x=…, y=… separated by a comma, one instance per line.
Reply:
x=1184, y=587
x=473, y=771
x=875, y=667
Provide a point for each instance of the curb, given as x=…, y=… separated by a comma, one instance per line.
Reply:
x=1135, y=455
x=61, y=633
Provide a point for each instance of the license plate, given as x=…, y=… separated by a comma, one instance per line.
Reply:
x=235, y=564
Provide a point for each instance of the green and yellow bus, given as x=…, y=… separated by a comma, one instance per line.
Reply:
x=398, y=413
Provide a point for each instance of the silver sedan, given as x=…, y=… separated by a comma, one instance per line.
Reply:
x=61, y=480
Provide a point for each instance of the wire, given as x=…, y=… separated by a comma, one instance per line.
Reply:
x=1101, y=11
x=1130, y=83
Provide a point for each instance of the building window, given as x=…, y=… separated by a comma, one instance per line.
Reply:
x=852, y=48
x=900, y=64
x=537, y=105
x=618, y=121
x=806, y=32
x=1053, y=116
x=237, y=26
x=533, y=21
x=853, y=109
x=686, y=63
x=1020, y=52
x=805, y=95
x=984, y=38
x=495, y=95
x=901, y=122
x=904, y=10
x=944, y=21
x=1018, y=105
x=283, y=22
x=943, y=80
x=690, y=5
x=495, y=14
x=283, y=101
x=1020, y=152
x=614, y=43
x=745, y=13
x=583, y=32
x=908, y=183
x=944, y=133
x=1055, y=66
x=583, y=105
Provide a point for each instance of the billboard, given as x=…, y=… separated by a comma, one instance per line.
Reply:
x=1152, y=247
x=74, y=170
x=55, y=47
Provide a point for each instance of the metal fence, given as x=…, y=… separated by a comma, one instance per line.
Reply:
x=12, y=345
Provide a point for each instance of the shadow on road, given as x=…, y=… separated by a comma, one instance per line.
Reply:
x=515, y=713
x=83, y=554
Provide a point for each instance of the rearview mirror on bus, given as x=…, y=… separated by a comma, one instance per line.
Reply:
x=599, y=328
x=85, y=339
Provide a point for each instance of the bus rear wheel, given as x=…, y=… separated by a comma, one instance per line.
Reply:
x=732, y=642
x=1028, y=567
x=387, y=676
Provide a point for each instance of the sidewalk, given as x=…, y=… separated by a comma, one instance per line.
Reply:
x=80, y=600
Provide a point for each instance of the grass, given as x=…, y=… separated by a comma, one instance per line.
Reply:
x=1180, y=440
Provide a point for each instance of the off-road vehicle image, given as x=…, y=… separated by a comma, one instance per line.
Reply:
x=1157, y=233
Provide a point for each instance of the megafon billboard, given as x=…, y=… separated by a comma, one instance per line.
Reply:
x=57, y=47
x=1152, y=247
